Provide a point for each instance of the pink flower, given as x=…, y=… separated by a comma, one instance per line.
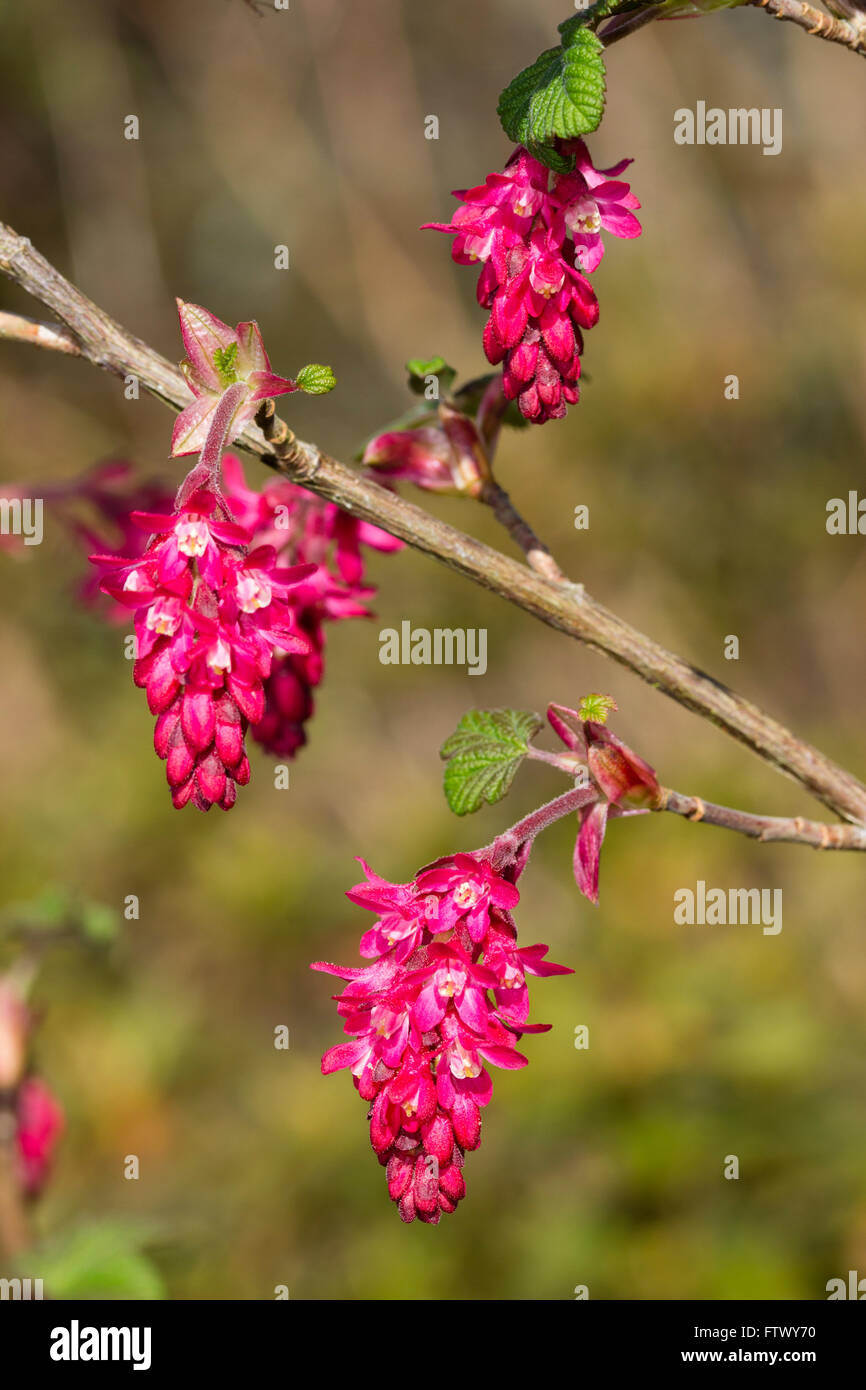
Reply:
x=535, y=235
x=467, y=890
x=594, y=200
x=423, y=1025
x=39, y=1126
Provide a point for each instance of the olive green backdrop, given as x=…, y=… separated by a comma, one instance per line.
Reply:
x=601, y=1167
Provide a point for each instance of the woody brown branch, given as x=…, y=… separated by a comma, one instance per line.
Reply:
x=817, y=23
x=561, y=605
x=793, y=829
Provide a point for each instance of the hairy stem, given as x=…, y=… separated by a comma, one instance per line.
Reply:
x=506, y=845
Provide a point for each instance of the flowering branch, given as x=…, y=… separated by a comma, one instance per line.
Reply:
x=564, y=606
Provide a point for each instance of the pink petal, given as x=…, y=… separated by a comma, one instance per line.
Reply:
x=587, y=849
x=203, y=336
x=191, y=426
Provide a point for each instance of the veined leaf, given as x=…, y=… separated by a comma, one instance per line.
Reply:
x=483, y=754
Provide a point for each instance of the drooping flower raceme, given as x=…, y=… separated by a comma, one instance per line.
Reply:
x=183, y=571
x=537, y=235
x=444, y=997
x=210, y=613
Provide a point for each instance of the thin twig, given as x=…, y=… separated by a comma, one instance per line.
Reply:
x=817, y=23
x=18, y=329
x=622, y=25
x=564, y=606
x=536, y=552
x=793, y=829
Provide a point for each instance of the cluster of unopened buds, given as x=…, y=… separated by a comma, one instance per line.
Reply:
x=424, y=1023
x=538, y=236
x=27, y=1106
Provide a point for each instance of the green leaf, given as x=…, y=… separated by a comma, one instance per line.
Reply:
x=560, y=97
x=316, y=380
x=514, y=102
x=99, y=923
x=596, y=708
x=420, y=368
x=225, y=361
x=483, y=755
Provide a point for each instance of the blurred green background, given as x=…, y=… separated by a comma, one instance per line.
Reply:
x=601, y=1167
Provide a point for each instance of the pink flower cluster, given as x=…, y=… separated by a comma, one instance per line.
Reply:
x=36, y=1115
x=305, y=530
x=209, y=614
x=39, y=1126
x=538, y=235
x=227, y=638
x=423, y=1022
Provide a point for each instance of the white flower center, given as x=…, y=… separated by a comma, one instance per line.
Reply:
x=463, y=1064
x=466, y=894
x=583, y=217
x=253, y=592
x=192, y=537
x=220, y=656
x=163, y=619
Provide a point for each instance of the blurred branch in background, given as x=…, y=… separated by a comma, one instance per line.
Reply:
x=562, y=605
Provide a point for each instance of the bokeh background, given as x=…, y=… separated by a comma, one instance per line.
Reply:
x=707, y=517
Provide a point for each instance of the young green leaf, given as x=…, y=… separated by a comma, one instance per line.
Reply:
x=596, y=708
x=316, y=380
x=225, y=361
x=420, y=368
x=483, y=754
x=561, y=96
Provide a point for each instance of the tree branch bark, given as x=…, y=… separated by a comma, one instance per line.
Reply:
x=561, y=605
x=817, y=23
x=794, y=829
